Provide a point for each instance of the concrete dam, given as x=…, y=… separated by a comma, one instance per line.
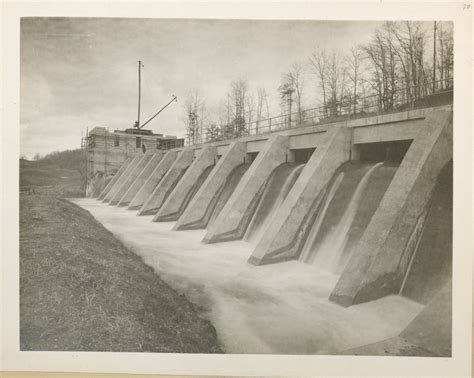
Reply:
x=367, y=200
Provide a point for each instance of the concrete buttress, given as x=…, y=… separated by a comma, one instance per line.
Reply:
x=168, y=183
x=130, y=179
x=177, y=201
x=114, y=179
x=140, y=180
x=123, y=177
x=282, y=240
x=232, y=221
x=381, y=257
x=153, y=180
x=196, y=214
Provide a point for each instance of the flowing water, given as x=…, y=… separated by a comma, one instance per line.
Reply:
x=353, y=197
x=276, y=189
x=225, y=191
x=279, y=308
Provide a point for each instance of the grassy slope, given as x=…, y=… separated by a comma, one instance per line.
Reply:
x=81, y=289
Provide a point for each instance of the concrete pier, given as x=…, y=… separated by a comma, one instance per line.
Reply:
x=381, y=257
x=233, y=220
x=168, y=183
x=114, y=179
x=196, y=214
x=131, y=178
x=177, y=201
x=150, y=184
x=140, y=180
x=282, y=239
x=113, y=190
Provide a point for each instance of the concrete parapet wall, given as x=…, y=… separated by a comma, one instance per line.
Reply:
x=231, y=222
x=381, y=257
x=111, y=194
x=173, y=206
x=131, y=178
x=141, y=178
x=153, y=180
x=282, y=239
x=168, y=183
x=114, y=179
x=195, y=214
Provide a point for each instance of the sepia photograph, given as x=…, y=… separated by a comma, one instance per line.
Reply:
x=221, y=186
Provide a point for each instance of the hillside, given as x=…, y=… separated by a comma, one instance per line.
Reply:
x=60, y=172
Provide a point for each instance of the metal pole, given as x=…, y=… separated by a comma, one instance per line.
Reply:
x=163, y=108
x=139, y=90
x=434, y=58
x=105, y=159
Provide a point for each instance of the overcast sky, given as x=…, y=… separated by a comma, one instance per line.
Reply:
x=82, y=72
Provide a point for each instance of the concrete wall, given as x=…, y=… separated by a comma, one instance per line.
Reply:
x=150, y=184
x=141, y=179
x=96, y=184
x=114, y=179
x=232, y=221
x=282, y=239
x=381, y=257
x=168, y=183
x=193, y=216
x=130, y=179
x=172, y=207
x=136, y=159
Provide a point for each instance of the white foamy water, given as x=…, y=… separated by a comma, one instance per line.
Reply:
x=329, y=254
x=280, y=308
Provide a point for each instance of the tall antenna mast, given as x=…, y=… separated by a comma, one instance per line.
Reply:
x=139, y=91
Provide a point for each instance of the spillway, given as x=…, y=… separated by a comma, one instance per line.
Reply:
x=187, y=198
x=273, y=193
x=344, y=212
x=224, y=193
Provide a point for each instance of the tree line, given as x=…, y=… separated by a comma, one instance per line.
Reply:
x=401, y=63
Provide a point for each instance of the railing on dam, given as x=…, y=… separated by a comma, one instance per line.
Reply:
x=397, y=100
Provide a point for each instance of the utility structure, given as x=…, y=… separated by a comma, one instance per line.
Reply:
x=106, y=151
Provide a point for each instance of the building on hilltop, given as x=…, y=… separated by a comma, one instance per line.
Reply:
x=106, y=151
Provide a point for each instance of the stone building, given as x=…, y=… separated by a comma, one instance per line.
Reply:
x=106, y=150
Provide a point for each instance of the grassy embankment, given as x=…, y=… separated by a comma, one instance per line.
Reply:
x=82, y=290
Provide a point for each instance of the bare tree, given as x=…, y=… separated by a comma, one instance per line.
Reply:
x=331, y=74
x=238, y=94
x=263, y=110
x=318, y=62
x=194, y=114
x=444, y=52
x=354, y=66
x=295, y=78
x=286, y=90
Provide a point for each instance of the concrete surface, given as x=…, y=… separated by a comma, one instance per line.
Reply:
x=176, y=202
x=234, y=217
x=380, y=259
x=136, y=159
x=284, y=236
x=168, y=183
x=141, y=179
x=131, y=178
x=150, y=184
x=195, y=214
x=114, y=179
